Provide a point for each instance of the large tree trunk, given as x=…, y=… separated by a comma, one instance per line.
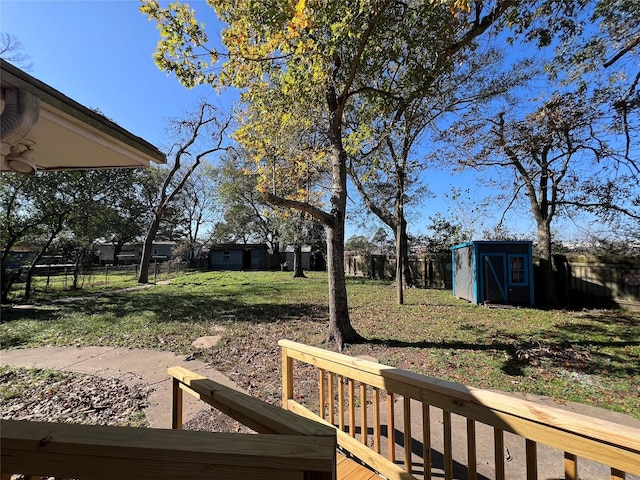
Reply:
x=6, y=280
x=298, y=271
x=404, y=246
x=340, y=329
x=147, y=250
x=32, y=268
x=117, y=248
x=400, y=254
x=408, y=277
x=546, y=263
x=77, y=269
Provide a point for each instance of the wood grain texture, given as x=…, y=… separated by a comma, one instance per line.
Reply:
x=377, y=462
x=252, y=412
x=101, y=452
x=605, y=442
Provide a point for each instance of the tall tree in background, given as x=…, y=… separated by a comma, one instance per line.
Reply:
x=70, y=209
x=127, y=217
x=445, y=234
x=322, y=57
x=387, y=174
x=571, y=149
x=292, y=176
x=607, y=59
x=90, y=198
x=20, y=217
x=11, y=51
x=247, y=217
x=35, y=210
x=195, y=207
x=200, y=135
x=385, y=178
x=553, y=155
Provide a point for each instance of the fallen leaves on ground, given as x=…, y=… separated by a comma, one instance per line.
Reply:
x=41, y=395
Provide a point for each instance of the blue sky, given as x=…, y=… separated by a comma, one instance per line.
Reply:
x=98, y=52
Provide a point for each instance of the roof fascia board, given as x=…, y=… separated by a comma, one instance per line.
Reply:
x=15, y=77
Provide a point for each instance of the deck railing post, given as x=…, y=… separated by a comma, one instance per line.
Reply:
x=322, y=394
x=448, y=445
x=391, y=428
x=287, y=378
x=376, y=420
x=498, y=441
x=407, y=434
x=532, y=459
x=471, y=450
x=332, y=406
x=617, y=474
x=176, y=405
x=341, y=402
x=363, y=413
x=426, y=440
x=570, y=466
x=352, y=409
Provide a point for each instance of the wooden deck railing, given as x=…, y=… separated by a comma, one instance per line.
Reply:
x=287, y=446
x=64, y=450
x=260, y=416
x=347, y=384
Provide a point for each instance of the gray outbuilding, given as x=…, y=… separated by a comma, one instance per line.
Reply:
x=237, y=256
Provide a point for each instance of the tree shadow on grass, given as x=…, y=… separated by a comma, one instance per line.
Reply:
x=29, y=313
x=451, y=345
x=175, y=307
x=584, y=356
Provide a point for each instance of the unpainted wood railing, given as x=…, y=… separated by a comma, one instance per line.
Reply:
x=287, y=446
x=63, y=450
x=388, y=439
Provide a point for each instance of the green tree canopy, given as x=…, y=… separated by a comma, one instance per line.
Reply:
x=324, y=60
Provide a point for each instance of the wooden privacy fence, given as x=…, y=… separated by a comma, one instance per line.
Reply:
x=384, y=416
x=580, y=279
x=430, y=271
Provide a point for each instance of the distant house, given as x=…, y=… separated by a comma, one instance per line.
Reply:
x=493, y=272
x=237, y=256
x=19, y=256
x=132, y=253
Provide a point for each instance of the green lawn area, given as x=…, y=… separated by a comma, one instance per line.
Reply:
x=589, y=356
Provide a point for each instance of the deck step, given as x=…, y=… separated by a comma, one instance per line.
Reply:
x=349, y=469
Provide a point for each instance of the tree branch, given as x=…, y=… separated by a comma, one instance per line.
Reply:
x=634, y=42
x=320, y=215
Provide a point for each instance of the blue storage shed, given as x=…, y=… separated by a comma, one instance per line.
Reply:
x=493, y=272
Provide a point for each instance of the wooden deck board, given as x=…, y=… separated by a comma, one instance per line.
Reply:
x=349, y=469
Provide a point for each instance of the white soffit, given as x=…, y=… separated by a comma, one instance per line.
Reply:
x=68, y=135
